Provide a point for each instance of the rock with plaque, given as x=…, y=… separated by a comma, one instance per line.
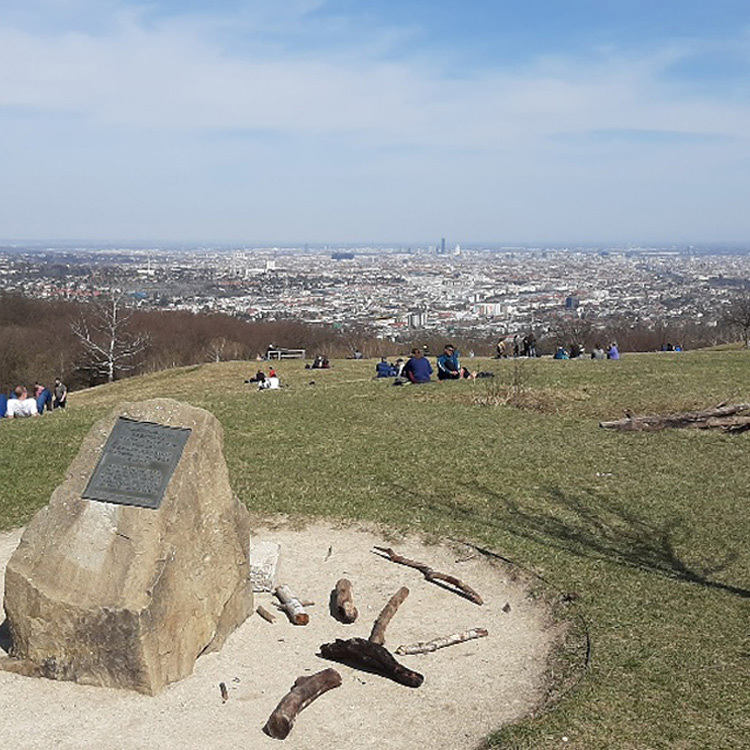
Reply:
x=139, y=563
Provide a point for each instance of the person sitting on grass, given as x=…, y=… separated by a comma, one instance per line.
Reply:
x=598, y=352
x=21, y=405
x=449, y=367
x=384, y=369
x=418, y=369
x=271, y=382
x=43, y=398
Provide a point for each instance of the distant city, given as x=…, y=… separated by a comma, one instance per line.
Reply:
x=393, y=290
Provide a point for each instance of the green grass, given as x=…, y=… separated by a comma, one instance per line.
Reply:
x=650, y=530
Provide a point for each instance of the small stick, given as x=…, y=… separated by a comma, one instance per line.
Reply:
x=304, y=691
x=265, y=614
x=343, y=603
x=378, y=629
x=454, y=583
x=371, y=657
x=425, y=647
x=223, y=691
x=292, y=606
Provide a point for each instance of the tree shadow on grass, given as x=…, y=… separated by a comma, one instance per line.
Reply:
x=582, y=524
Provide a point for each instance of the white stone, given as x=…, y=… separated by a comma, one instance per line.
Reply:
x=264, y=565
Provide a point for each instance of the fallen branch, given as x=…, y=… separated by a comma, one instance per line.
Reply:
x=378, y=629
x=371, y=657
x=453, y=583
x=304, y=691
x=728, y=417
x=265, y=614
x=292, y=606
x=343, y=603
x=446, y=640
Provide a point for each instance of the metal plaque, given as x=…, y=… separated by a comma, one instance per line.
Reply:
x=137, y=463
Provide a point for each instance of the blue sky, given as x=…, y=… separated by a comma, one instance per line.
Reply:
x=401, y=121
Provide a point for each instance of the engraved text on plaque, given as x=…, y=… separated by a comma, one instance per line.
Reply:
x=137, y=463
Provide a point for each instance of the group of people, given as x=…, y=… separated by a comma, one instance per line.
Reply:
x=520, y=346
x=19, y=403
x=384, y=369
x=320, y=362
x=577, y=351
x=266, y=382
x=417, y=369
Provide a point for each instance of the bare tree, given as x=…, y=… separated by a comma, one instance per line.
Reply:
x=738, y=316
x=570, y=329
x=109, y=346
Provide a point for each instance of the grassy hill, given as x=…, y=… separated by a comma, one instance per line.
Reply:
x=650, y=530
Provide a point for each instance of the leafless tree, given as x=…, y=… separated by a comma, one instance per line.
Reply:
x=109, y=345
x=570, y=329
x=738, y=316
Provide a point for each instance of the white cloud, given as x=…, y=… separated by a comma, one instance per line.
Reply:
x=487, y=153
x=172, y=76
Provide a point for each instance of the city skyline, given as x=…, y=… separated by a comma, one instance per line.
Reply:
x=335, y=121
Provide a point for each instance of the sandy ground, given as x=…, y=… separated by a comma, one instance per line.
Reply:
x=469, y=689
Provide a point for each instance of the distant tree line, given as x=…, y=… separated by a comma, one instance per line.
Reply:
x=91, y=343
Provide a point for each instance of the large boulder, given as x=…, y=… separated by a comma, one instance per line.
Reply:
x=129, y=597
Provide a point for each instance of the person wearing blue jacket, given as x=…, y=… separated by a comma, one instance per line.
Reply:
x=384, y=369
x=449, y=368
x=418, y=369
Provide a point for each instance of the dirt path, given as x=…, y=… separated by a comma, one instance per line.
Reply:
x=469, y=689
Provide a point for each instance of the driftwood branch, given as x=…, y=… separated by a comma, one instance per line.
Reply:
x=372, y=657
x=343, y=604
x=452, y=583
x=728, y=417
x=265, y=614
x=304, y=691
x=378, y=629
x=446, y=640
x=292, y=606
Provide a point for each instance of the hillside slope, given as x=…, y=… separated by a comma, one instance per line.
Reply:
x=649, y=530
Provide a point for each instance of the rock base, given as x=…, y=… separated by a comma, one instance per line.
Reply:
x=129, y=597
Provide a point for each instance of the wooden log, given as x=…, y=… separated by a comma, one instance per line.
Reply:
x=721, y=416
x=304, y=691
x=304, y=602
x=451, y=582
x=265, y=614
x=425, y=647
x=343, y=603
x=223, y=691
x=378, y=629
x=292, y=606
x=371, y=657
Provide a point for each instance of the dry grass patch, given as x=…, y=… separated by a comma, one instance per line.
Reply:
x=541, y=399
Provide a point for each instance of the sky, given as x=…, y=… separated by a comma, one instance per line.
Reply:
x=404, y=121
